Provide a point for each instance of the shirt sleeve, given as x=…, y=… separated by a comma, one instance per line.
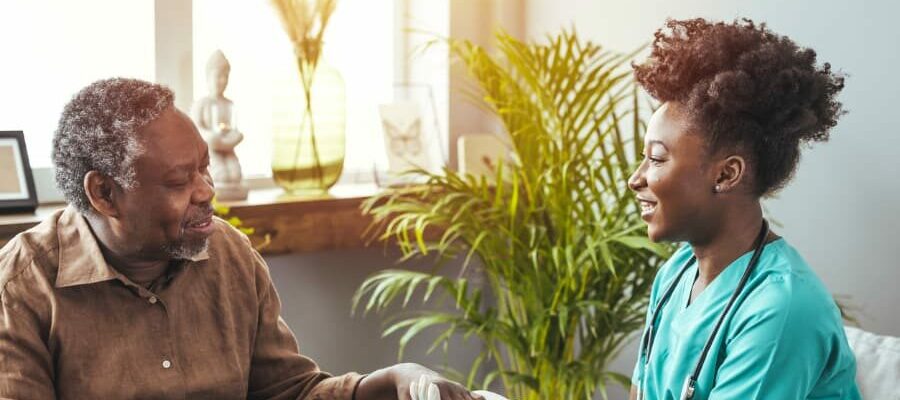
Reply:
x=27, y=367
x=278, y=370
x=773, y=352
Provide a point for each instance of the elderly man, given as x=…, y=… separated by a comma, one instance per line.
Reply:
x=135, y=290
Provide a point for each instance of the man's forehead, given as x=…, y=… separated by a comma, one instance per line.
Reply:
x=171, y=141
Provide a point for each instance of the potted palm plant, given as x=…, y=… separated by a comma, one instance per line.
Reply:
x=554, y=236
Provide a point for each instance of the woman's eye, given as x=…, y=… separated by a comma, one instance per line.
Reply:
x=655, y=160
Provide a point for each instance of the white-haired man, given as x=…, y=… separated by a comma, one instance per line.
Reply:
x=135, y=290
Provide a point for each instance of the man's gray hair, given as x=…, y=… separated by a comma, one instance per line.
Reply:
x=98, y=131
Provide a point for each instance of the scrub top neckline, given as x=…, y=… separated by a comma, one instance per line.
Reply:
x=727, y=273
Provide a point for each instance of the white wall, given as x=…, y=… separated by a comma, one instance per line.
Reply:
x=843, y=208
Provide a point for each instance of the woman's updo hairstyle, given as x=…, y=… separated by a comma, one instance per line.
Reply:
x=747, y=89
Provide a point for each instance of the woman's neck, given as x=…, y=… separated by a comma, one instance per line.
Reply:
x=736, y=234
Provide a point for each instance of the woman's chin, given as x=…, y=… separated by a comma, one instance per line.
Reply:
x=655, y=234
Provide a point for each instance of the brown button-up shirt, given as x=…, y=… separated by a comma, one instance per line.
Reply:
x=72, y=327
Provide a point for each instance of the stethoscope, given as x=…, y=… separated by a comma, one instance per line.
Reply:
x=687, y=391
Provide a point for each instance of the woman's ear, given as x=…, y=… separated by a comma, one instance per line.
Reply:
x=731, y=172
x=101, y=192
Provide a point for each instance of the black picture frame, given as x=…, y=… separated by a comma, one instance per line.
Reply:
x=18, y=195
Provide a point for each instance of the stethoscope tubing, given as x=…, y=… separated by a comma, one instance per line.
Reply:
x=650, y=335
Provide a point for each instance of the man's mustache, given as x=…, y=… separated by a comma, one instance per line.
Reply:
x=202, y=213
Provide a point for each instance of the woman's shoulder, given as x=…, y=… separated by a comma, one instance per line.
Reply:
x=782, y=269
x=784, y=288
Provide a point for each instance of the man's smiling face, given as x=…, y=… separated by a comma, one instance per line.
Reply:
x=169, y=213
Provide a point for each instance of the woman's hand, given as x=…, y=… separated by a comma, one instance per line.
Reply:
x=411, y=382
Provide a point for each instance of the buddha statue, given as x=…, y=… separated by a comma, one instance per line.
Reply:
x=214, y=116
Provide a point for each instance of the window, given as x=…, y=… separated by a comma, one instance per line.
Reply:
x=359, y=43
x=52, y=48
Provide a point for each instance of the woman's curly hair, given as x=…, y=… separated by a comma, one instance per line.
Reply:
x=746, y=88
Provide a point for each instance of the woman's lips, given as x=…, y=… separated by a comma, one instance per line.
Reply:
x=647, y=209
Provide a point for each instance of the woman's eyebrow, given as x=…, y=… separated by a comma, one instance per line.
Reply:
x=659, y=142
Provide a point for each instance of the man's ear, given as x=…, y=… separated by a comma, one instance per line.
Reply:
x=731, y=172
x=101, y=192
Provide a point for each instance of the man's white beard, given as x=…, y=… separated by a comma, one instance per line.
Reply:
x=186, y=250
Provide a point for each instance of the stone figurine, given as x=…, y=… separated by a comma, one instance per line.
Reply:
x=214, y=116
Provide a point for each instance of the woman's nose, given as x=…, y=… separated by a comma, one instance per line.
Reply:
x=636, y=181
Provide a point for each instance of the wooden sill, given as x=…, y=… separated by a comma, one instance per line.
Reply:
x=302, y=225
x=292, y=224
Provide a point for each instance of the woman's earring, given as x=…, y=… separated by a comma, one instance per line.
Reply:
x=717, y=189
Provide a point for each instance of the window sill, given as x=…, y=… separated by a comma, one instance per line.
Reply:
x=292, y=224
x=302, y=225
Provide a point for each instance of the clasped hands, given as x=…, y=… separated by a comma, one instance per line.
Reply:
x=408, y=381
x=426, y=389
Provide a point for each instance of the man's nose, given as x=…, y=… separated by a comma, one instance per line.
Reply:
x=205, y=191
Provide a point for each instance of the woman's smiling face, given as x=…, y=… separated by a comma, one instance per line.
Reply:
x=673, y=183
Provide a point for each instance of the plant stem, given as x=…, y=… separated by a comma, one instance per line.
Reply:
x=307, y=76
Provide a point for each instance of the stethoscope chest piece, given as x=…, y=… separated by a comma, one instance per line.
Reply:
x=687, y=392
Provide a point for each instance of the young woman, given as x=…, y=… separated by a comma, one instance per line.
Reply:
x=736, y=313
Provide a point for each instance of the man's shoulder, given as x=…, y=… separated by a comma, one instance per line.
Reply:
x=228, y=237
x=230, y=247
x=225, y=230
x=34, y=251
x=233, y=258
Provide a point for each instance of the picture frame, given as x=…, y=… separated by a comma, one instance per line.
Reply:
x=17, y=193
x=411, y=136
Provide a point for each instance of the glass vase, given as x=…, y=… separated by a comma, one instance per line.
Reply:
x=309, y=146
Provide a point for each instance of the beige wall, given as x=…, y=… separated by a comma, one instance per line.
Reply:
x=477, y=21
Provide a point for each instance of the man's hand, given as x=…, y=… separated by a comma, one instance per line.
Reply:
x=411, y=382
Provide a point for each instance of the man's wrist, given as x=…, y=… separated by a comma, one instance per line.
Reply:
x=377, y=385
x=356, y=386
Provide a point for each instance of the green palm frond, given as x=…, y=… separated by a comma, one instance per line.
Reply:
x=554, y=234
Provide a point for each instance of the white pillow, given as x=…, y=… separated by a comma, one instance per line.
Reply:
x=877, y=364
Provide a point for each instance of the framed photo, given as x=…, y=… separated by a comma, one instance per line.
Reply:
x=16, y=182
x=411, y=136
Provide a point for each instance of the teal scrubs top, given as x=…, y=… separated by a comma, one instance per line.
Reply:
x=782, y=339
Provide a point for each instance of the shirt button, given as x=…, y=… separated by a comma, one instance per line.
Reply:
x=167, y=364
x=153, y=300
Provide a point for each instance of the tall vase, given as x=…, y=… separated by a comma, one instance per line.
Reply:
x=309, y=152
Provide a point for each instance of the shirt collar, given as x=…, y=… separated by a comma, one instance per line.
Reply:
x=80, y=260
